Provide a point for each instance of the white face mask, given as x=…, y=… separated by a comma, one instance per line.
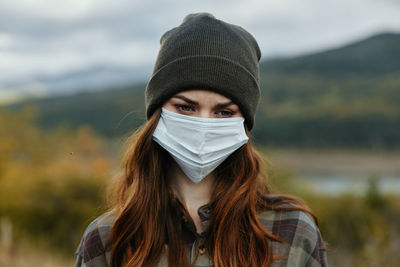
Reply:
x=197, y=144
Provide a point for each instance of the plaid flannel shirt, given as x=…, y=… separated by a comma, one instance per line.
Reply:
x=305, y=245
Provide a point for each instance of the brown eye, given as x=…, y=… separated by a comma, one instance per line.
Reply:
x=225, y=113
x=184, y=108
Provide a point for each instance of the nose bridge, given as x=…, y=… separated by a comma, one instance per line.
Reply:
x=205, y=112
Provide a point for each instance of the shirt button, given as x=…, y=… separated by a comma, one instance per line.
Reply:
x=202, y=250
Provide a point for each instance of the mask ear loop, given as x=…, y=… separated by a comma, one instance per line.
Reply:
x=246, y=130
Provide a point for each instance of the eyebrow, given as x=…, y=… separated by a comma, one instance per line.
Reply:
x=219, y=105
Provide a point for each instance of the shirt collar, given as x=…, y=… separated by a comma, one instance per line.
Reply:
x=204, y=212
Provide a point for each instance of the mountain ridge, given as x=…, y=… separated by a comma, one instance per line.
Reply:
x=345, y=60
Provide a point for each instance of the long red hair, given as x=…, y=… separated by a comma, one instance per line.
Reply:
x=145, y=209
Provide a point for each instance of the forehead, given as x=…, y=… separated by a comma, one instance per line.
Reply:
x=203, y=95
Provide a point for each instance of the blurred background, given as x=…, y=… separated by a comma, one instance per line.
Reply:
x=72, y=77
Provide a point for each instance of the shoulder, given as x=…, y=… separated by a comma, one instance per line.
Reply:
x=302, y=240
x=92, y=248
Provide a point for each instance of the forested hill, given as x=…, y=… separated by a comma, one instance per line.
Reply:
x=346, y=97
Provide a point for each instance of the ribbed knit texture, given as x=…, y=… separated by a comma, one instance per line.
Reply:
x=206, y=53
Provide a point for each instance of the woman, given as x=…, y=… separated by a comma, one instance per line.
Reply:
x=193, y=192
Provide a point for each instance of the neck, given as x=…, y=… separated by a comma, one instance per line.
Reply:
x=192, y=195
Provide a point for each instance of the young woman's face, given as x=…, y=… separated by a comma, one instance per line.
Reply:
x=202, y=103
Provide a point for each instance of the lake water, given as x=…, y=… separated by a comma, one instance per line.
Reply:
x=355, y=184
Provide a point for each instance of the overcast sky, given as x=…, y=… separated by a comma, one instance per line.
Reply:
x=49, y=46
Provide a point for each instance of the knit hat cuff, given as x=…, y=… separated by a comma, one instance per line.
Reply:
x=207, y=72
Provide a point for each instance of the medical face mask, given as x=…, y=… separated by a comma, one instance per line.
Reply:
x=197, y=144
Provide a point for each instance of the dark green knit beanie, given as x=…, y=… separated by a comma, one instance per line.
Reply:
x=206, y=53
